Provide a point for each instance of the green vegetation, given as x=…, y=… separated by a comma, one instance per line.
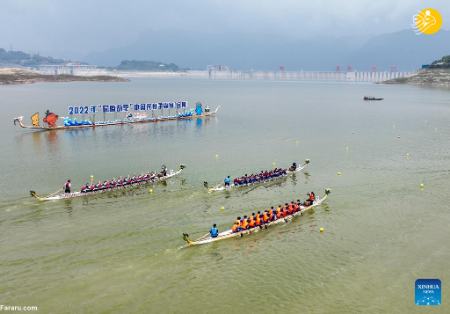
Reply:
x=443, y=63
x=153, y=66
x=20, y=58
x=23, y=76
x=437, y=74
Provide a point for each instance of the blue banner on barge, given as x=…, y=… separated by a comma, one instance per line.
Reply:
x=93, y=109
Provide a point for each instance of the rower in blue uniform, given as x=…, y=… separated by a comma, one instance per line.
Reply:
x=214, y=232
x=227, y=181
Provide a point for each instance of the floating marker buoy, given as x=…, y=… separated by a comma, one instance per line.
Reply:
x=322, y=229
x=339, y=173
x=422, y=185
x=150, y=190
x=222, y=208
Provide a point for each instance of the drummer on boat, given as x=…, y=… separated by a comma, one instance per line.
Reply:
x=311, y=199
x=67, y=187
x=227, y=181
x=214, y=232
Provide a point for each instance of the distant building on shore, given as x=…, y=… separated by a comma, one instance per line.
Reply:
x=68, y=68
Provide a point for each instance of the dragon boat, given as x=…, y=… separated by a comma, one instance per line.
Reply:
x=229, y=234
x=286, y=172
x=149, y=178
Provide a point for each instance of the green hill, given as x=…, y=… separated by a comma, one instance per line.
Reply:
x=437, y=74
x=153, y=66
x=443, y=63
x=20, y=58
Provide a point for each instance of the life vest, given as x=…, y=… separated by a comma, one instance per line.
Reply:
x=251, y=224
x=265, y=217
x=279, y=213
x=235, y=228
x=296, y=207
x=270, y=212
x=291, y=209
x=244, y=224
x=312, y=197
x=258, y=220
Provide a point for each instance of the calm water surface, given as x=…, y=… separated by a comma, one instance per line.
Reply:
x=119, y=253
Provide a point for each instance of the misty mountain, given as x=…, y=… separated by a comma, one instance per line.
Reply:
x=143, y=65
x=404, y=49
x=20, y=58
x=196, y=50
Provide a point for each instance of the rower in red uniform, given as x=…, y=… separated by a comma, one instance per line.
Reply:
x=251, y=223
x=244, y=224
x=271, y=212
x=279, y=213
x=258, y=221
x=312, y=198
x=296, y=206
x=290, y=208
x=265, y=217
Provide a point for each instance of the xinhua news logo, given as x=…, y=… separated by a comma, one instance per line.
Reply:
x=428, y=292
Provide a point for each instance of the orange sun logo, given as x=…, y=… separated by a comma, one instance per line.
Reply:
x=428, y=21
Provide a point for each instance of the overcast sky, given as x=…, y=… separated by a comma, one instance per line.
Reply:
x=73, y=28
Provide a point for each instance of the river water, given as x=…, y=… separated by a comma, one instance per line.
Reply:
x=119, y=252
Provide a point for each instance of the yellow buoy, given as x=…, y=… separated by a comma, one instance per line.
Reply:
x=150, y=190
x=217, y=155
x=422, y=185
x=222, y=208
x=339, y=173
x=322, y=229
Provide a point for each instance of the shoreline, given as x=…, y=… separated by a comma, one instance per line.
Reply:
x=18, y=76
x=436, y=78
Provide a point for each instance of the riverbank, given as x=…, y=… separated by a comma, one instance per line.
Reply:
x=9, y=76
x=431, y=78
